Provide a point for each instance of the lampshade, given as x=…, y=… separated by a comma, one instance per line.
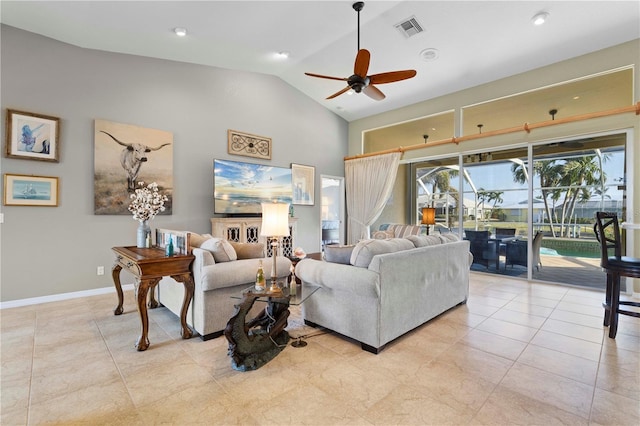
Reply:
x=275, y=220
x=428, y=216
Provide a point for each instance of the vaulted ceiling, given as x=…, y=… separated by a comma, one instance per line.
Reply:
x=463, y=43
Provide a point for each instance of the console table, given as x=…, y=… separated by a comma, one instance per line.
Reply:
x=247, y=230
x=149, y=265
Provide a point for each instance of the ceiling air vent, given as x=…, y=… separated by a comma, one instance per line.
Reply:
x=409, y=27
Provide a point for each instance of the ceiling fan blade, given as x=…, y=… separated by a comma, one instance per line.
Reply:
x=373, y=92
x=362, y=63
x=390, y=77
x=339, y=93
x=325, y=76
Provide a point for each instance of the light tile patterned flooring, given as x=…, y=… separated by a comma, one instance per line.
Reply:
x=516, y=353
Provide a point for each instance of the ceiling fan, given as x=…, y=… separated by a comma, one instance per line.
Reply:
x=360, y=81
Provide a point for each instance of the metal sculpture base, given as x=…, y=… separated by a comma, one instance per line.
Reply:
x=299, y=343
x=254, y=343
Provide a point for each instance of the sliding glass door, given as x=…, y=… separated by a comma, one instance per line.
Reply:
x=495, y=189
x=572, y=181
x=529, y=211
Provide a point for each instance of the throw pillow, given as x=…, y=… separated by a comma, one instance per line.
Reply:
x=338, y=254
x=221, y=249
x=196, y=240
x=449, y=237
x=382, y=235
x=424, y=240
x=364, y=251
x=248, y=250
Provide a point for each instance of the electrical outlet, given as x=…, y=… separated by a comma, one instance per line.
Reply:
x=100, y=270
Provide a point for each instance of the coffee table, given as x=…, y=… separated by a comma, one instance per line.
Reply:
x=254, y=342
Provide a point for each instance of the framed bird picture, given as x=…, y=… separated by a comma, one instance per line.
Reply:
x=32, y=136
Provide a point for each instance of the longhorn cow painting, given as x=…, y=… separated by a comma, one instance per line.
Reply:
x=127, y=154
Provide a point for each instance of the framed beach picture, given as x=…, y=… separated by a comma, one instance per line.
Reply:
x=25, y=190
x=32, y=136
x=303, y=181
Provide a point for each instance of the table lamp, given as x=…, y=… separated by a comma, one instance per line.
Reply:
x=428, y=217
x=275, y=224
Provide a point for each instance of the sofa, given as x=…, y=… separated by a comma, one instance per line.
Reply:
x=378, y=290
x=221, y=269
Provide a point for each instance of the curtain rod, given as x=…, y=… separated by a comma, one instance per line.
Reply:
x=526, y=127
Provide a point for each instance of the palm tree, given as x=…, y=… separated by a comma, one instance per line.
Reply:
x=490, y=196
x=440, y=182
x=549, y=173
x=568, y=181
x=579, y=174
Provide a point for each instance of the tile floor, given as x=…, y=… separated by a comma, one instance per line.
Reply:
x=579, y=271
x=516, y=353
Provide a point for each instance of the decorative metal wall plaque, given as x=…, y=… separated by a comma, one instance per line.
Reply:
x=248, y=145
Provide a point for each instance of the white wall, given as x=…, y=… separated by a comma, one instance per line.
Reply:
x=49, y=251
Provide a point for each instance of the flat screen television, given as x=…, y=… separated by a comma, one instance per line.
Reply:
x=239, y=188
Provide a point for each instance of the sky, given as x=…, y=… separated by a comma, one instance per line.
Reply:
x=498, y=177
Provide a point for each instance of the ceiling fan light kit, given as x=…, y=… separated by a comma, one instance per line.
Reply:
x=360, y=82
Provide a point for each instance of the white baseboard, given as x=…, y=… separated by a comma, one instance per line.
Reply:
x=63, y=296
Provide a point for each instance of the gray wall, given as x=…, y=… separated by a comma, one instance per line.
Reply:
x=54, y=250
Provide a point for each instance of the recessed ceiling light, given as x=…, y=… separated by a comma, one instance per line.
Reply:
x=282, y=55
x=429, y=54
x=575, y=98
x=180, y=32
x=540, y=18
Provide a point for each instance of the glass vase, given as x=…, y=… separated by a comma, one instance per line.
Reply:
x=143, y=230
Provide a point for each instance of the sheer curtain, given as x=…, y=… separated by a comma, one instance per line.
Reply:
x=369, y=182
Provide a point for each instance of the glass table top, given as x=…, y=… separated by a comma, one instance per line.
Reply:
x=302, y=293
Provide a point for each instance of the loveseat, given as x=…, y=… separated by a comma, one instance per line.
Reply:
x=221, y=269
x=378, y=290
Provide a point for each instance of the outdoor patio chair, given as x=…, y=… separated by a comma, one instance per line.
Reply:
x=502, y=234
x=505, y=233
x=607, y=232
x=482, y=248
x=516, y=252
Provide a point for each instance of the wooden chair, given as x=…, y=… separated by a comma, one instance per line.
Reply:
x=607, y=232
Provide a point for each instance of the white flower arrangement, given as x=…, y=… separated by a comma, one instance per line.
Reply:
x=147, y=202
